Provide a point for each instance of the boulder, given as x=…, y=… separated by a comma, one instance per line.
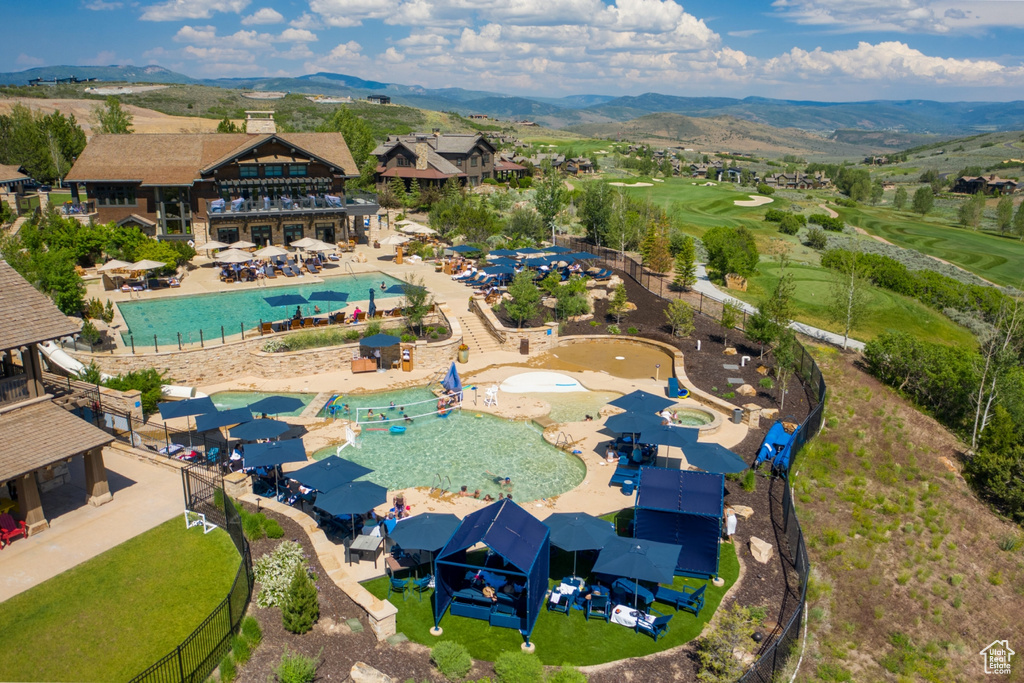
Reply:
x=734, y=281
x=549, y=302
x=769, y=413
x=613, y=281
x=364, y=673
x=746, y=390
x=790, y=427
x=593, y=283
x=730, y=351
x=630, y=306
x=762, y=370
x=596, y=294
x=743, y=511
x=581, y=318
x=761, y=550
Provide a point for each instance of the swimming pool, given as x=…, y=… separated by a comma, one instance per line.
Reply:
x=462, y=447
x=575, y=406
x=227, y=400
x=166, y=317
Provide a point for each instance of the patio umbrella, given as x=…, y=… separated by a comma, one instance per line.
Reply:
x=322, y=246
x=429, y=531
x=274, y=453
x=187, y=408
x=276, y=404
x=580, y=256
x=330, y=296
x=285, y=300
x=538, y=261
x=270, y=252
x=499, y=270
x=575, y=531
x=529, y=250
x=242, y=244
x=329, y=473
x=304, y=243
x=113, y=265
x=463, y=249
x=415, y=228
x=259, y=429
x=147, y=264
x=713, y=457
x=632, y=423
x=353, y=498
x=452, y=382
x=680, y=437
x=640, y=560
x=214, y=244
x=395, y=240
x=373, y=304
x=233, y=256
x=558, y=250
x=501, y=261
x=642, y=402
x=379, y=341
x=502, y=252
x=222, y=418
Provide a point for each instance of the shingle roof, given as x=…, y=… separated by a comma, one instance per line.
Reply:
x=41, y=434
x=178, y=158
x=28, y=315
x=11, y=173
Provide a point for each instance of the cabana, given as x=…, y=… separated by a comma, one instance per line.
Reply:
x=683, y=507
x=520, y=555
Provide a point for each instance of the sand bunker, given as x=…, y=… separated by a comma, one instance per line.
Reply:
x=632, y=184
x=755, y=200
x=548, y=382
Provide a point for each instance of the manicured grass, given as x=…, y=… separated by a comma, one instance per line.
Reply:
x=886, y=311
x=562, y=639
x=992, y=257
x=111, y=617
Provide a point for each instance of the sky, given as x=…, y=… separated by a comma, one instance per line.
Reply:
x=827, y=50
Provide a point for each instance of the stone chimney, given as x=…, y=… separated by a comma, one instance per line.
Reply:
x=422, y=149
x=260, y=123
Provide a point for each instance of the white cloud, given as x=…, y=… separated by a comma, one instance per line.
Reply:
x=904, y=16
x=295, y=52
x=103, y=58
x=219, y=54
x=266, y=15
x=207, y=35
x=346, y=13
x=344, y=56
x=28, y=60
x=174, y=10
x=746, y=33
x=392, y=56
x=101, y=5
x=296, y=35
x=307, y=21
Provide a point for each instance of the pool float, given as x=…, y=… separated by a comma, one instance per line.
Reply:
x=397, y=429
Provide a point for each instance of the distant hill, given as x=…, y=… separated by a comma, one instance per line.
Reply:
x=126, y=74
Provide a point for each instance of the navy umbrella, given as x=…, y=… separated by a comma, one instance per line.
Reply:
x=373, y=304
x=329, y=296
x=680, y=437
x=499, y=270
x=538, y=261
x=378, y=341
x=285, y=300
x=274, y=453
x=463, y=249
x=642, y=402
x=502, y=262
x=187, y=408
x=580, y=256
x=259, y=429
x=275, y=405
x=575, y=531
x=713, y=457
x=632, y=423
x=640, y=560
x=329, y=473
x=502, y=252
x=353, y=498
x=222, y=418
x=429, y=531
x=557, y=250
x=529, y=250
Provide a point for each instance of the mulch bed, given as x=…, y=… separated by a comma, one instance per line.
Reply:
x=763, y=585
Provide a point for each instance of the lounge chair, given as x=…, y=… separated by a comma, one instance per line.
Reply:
x=398, y=586
x=686, y=600
x=377, y=315
x=10, y=529
x=362, y=316
x=212, y=455
x=308, y=323
x=560, y=602
x=599, y=606
x=266, y=328
x=339, y=318
x=289, y=271
x=311, y=267
x=269, y=272
x=656, y=628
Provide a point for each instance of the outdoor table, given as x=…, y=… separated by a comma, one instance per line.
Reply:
x=363, y=544
x=405, y=562
x=624, y=588
x=624, y=615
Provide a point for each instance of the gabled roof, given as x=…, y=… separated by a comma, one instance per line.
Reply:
x=28, y=315
x=41, y=434
x=12, y=173
x=181, y=158
x=505, y=528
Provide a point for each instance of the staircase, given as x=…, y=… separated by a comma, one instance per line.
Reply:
x=16, y=226
x=476, y=335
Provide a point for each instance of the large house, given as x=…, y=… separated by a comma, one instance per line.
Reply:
x=434, y=159
x=260, y=186
x=991, y=185
x=798, y=181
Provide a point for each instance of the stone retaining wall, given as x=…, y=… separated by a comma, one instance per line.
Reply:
x=540, y=339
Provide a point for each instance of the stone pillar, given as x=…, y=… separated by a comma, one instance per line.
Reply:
x=31, y=505
x=96, y=487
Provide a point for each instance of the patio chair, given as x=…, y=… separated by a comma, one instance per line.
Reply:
x=421, y=586
x=656, y=628
x=599, y=606
x=266, y=328
x=10, y=529
x=311, y=267
x=269, y=273
x=212, y=455
x=564, y=603
x=688, y=599
x=398, y=586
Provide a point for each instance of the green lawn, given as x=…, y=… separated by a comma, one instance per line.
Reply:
x=992, y=257
x=111, y=617
x=562, y=639
x=886, y=311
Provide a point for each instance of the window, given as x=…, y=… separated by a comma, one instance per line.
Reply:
x=402, y=161
x=473, y=161
x=485, y=159
x=458, y=162
x=297, y=170
x=293, y=232
x=273, y=171
x=248, y=171
x=115, y=195
x=260, y=234
x=174, y=211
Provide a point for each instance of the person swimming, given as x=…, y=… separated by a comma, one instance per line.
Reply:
x=346, y=409
x=391, y=406
x=369, y=413
x=408, y=419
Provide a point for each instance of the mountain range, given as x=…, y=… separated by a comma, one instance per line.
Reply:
x=903, y=116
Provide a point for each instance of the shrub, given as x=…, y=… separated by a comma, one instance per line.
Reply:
x=789, y=225
x=1010, y=543
x=407, y=338
x=518, y=667
x=296, y=668
x=372, y=328
x=451, y=659
x=352, y=335
x=240, y=649
x=275, y=570
x=567, y=674
x=251, y=631
x=275, y=346
x=526, y=182
x=252, y=527
x=228, y=670
x=89, y=334
x=633, y=330
x=749, y=482
x=816, y=239
x=844, y=201
x=301, y=608
x=827, y=222
x=766, y=383
x=765, y=189
x=614, y=329
x=715, y=651
x=440, y=329
x=273, y=528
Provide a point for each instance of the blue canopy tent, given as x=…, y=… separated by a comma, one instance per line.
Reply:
x=521, y=545
x=685, y=508
x=452, y=382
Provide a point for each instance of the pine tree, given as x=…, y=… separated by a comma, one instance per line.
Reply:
x=301, y=607
x=618, y=305
x=397, y=191
x=1018, y=221
x=647, y=245
x=659, y=259
x=686, y=265
x=413, y=198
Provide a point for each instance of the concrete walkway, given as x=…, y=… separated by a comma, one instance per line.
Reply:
x=145, y=495
x=708, y=289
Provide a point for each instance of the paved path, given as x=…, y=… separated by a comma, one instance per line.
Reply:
x=145, y=495
x=708, y=289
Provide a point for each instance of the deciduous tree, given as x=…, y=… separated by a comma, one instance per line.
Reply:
x=847, y=299
x=113, y=119
x=680, y=316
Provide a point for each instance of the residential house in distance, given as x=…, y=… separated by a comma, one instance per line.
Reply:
x=434, y=159
x=556, y=160
x=261, y=186
x=505, y=168
x=38, y=438
x=991, y=185
x=378, y=99
x=578, y=165
x=798, y=181
x=700, y=170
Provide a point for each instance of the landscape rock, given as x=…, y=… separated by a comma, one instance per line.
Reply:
x=630, y=306
x=743, y=511
x=730, y=351
x=581, y=318
x=790, y=427
x=761, y=550
x=364, y=673
x=746, y=390
x=769, y=413
x=762, y=370
x=734, y=281
x=549, y=302
x=614, y=281
x=597, y=294
x=361, y=257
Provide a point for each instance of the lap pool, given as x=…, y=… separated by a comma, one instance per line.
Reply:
x=166, y=317
x=462, y=447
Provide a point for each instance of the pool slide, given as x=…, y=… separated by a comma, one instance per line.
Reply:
x=56, y=356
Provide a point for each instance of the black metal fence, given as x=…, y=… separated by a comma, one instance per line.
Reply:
x=200, y=653
x=775, y=651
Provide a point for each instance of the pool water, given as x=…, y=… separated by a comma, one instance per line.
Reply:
x=691, y=417
x=463, y=447
x=228, y=400
x=574, y=406
x=166, y=317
